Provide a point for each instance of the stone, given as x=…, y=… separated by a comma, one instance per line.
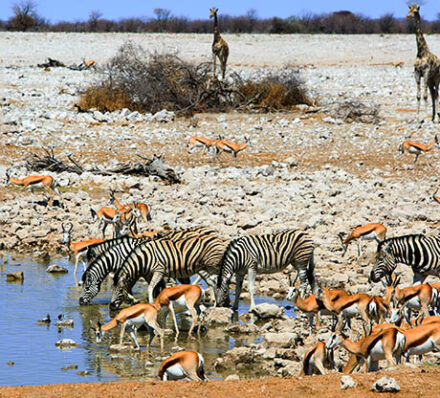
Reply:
x=217, y=316
x=56, y=269
x=65, y=323
x=268, y=311
x=244, y=329
x=232, y=377
x=347, y=382
x=66, y=343
x=285, y=340
x=164, y=116
x=386, y=384
x=15, y=277
x=121, y=348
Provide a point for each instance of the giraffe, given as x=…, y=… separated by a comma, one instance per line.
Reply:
x=427, y=65
x=220, y=48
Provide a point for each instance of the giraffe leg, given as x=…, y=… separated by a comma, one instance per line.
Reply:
x=433, y=92
x=418, y=77
x=214, y=62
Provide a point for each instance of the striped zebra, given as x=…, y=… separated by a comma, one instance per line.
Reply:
x=264, y=254
x=420, y=252
x=114, y=252
x=167, y=258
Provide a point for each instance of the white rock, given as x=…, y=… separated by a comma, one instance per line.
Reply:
x=386, y=384
x=347, y=382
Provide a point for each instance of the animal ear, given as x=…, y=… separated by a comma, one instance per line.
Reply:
x=99, y=324
x=94, y=329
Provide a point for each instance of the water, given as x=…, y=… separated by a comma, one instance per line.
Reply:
x=32, y=346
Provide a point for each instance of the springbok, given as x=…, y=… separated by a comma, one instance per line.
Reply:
x=310, y=305
x=78, y=248
x=417, y=148
x=133, y=317
x=349, y=306
x=418, y=297
x=181, y=365
x=363, y=232
x=422, y=339
x=382, y=345
x=317, y=359
x=230, y=147
x=48, y=183
x=196, y=142
x=188, y=296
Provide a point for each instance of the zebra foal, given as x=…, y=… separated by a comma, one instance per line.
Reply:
x=264, y=254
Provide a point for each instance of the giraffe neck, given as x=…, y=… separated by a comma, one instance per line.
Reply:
x=216, y=30
x=422, y=46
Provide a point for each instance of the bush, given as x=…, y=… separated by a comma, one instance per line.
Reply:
x=150, y=83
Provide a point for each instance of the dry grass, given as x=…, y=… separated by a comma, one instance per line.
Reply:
x=104, y=98
x=150, y=83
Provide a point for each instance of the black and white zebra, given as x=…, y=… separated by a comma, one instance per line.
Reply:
x=167, y=258
x=420, y=252
x=113, y=254
x=264, y=254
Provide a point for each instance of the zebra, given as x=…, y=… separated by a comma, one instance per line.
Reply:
x=165, y=257
x=114, y=253
x=264, y=254
x=420, y=252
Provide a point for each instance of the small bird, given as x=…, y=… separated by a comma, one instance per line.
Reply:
x=45, y=320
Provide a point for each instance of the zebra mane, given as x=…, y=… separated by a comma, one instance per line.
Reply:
x=390, y=240
x=229, y=247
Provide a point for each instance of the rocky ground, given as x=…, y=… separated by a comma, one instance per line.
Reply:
x=314, y=168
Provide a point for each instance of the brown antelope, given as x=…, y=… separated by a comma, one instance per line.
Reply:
x=106, y=216
x=188, y=296
x=382, y=345
x=430, y=319
x=79, y=248
x=416, y=148
x=363, y=232
x=231, y=147
x=418, y=297
x=422, y=339
x=144, y=211
x=310, y=305
x=349, y=306
x=153, y=234
x=204, y=143
x=181, y=365
x=139, y=209
x=317, y=359
x=48, y=183
x=434, y=197
x=133, y=317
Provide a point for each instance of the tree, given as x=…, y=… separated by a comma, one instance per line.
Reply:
x=162, y=14
x=94, y=17
x=25, y=16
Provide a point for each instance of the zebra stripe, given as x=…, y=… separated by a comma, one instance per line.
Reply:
x=94, y=251
x=165, y=257
x=264, y=254
x=420, y=252
x=114, y=253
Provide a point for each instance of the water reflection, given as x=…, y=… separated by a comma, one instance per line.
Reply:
x=31, y=345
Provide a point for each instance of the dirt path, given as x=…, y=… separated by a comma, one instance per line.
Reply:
x=424, y=383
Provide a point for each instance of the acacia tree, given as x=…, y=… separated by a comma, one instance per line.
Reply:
x=25, y=16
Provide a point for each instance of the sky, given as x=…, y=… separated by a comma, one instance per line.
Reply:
x=77, y=10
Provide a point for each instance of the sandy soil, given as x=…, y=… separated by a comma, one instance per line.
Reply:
x=413, y=384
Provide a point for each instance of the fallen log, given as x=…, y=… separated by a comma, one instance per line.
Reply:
x=151, y=167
